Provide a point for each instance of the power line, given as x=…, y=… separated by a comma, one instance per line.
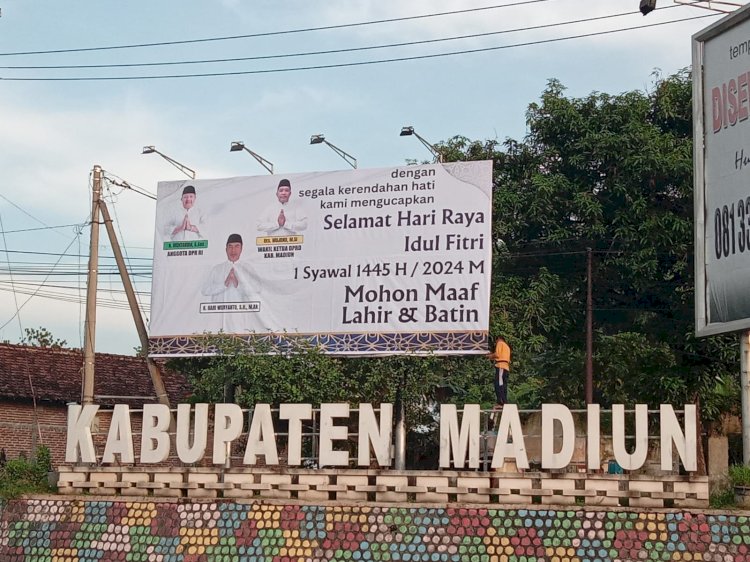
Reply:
x=69, y=273
x=326, y=52
x=536, y=253
x=127, y=259
x=10, y=273
x=114, y=179
x=78, y=225
x=68, y=287
x=25, y=212
x=350, y=64
x=273, y=33
x=66, y=297
x=34, y=294
x=35, y=253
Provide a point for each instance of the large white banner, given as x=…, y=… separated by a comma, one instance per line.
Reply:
x=391, y=260
x=721, y=57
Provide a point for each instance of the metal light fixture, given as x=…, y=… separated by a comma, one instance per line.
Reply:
x=189, y=172
x=409, y=131
x=647, y=6
x=320, y=139
x=238, y=146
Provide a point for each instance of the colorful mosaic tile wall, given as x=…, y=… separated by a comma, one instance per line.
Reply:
x=51, y=530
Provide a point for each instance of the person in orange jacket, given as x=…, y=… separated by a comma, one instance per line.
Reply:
x=501, y=358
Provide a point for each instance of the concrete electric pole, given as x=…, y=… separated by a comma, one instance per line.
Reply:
x=89, y=329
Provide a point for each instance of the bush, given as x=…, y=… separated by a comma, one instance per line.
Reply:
x=21, y=476
x=722, y=499
x=739, y=475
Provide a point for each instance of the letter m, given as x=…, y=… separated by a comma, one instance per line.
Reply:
x=457, y=441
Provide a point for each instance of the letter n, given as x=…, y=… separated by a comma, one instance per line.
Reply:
x=380, y=436
x=686, y=443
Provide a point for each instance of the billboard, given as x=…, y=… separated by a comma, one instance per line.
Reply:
x=382, y=261
x=721, y=107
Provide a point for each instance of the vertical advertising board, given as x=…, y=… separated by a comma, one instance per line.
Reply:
x=721, y=111
x=357, y=262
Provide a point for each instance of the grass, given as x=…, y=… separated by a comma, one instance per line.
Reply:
x=739, y=475
x=722, y=499
x=723, y=496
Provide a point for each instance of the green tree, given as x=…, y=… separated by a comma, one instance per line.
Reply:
x=264, y=373
x=612, y=173
x=41, y=337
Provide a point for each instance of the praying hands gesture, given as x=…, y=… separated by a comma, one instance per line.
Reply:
x=182, y=226
x=231, y=280
x=185, y=225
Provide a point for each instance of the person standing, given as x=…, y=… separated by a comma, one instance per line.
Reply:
x=501, y=358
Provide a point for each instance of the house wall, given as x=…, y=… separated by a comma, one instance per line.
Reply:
x=23, y=428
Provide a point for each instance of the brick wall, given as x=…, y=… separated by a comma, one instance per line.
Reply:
x=23, y=428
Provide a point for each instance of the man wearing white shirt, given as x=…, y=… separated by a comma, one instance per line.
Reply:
x=185, y=223
x=230, y=281
x=284, y=217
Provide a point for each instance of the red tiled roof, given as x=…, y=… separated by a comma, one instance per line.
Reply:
x=56, y=376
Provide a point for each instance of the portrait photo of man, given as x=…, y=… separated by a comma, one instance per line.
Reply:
x=231, y=280
x=186, y=221
x=284, y=216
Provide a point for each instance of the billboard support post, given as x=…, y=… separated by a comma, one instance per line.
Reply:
x=153, y=369
x=745, y=394
x=589, y=330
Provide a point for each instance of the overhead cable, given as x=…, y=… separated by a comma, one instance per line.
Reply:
x=34, y=294
x=10, y=273
x=77, y=225
x=272, y=33
x=326, y=52
x=350, y=64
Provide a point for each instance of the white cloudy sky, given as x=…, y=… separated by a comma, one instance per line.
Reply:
x=53, y=132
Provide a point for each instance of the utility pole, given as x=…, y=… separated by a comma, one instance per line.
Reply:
x=89, y=329
x=140, y=326
x=589, y=329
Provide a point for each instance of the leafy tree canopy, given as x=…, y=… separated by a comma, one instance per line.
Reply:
x=612, y=173
x=42, y=337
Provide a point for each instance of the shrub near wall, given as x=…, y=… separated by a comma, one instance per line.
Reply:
x=78, y=530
